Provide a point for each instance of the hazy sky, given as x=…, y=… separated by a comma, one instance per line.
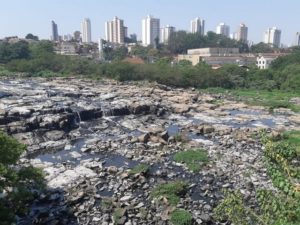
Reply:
x=19, y=17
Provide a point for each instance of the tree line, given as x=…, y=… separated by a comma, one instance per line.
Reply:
x=39, y=59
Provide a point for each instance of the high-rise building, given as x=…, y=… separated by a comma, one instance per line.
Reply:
x=133, y=37
x=115, y=31
x=77, y=35
x=242, y=33
x=297, y=40
x=150, y=31
x=165, y=34
x=223, y=29
x=100, y=47
x=125, y=32
x=54, y=36
x=197, y=26
x=86, y=31
x=272, y=37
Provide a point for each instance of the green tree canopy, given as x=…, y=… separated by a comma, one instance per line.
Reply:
x=32, y=37
x=16, y=182
x=8, y=52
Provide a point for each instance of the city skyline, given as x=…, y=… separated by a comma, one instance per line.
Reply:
x=258, y=16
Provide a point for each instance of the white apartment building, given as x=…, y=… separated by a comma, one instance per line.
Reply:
x=86, y=31
x=242, y=33
x=272, y=37
x=115, y=31
x=165, y=34
x=223, y=29
x=198, y=26
x=150, y=30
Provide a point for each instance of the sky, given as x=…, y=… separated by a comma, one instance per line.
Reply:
x=20, y=17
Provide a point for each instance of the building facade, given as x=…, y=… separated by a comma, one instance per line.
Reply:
x=198, y=26
x=223, y=29
x=115, y=31
x=297, y=39
x=54, y=36
x=165, y=34
x=242, y=33
x=150, y=31
x=272, y=37
x=264, y=62
x=86, y=31
x=77, y=35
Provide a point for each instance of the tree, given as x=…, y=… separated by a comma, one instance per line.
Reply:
x=32, y=37
x=16, y=183
x=8, y=52
x=261, y=48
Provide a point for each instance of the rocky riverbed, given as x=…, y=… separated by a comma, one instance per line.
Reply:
x=87, y=135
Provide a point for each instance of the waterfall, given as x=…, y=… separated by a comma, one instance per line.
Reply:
x=79, y=117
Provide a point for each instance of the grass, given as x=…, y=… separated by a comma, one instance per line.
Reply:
x=271, y=99
x=293, y=138
x=171, y=191
x=181, y=217
x=139, y=169
x=193, y=159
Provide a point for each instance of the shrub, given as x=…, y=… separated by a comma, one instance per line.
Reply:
x=181, y=217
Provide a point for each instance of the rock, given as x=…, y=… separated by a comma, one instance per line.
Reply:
x=206, y=129
x=70, y=176
x=164, y=135
x=112, y=169
x=144, y=138
x=54, y=135
x=205, y=217
x=125, y=198
x=180, y=108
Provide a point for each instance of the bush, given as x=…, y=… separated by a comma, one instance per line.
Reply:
x=181, y=217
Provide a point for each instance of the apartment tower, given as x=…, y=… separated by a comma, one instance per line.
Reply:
x=150, y=31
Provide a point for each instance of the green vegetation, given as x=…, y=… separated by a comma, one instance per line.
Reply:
x=181, y=217
x=271, y=99
x=281, y=158
x=171, y=191
x=181, y=41
x=293, y=138
x=140, y=169
x=193, y=159
x=16, y=182
x=39, y=59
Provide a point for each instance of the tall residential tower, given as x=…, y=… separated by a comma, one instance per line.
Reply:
x=86, y=31
x=242, y=33
x=150, y=31
x=115, y=31
x=272, y=37
x=54, y=36
x=197, y=26
x=165, y=34
x=223, y=29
